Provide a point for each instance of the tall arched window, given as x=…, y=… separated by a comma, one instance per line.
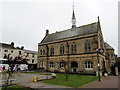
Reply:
x=73, y=48
x=88, y=65
x=52, y=51
x=87, y=46
x=61, y=49
x=52, y=64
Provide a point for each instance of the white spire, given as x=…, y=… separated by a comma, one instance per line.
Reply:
x=73, y=18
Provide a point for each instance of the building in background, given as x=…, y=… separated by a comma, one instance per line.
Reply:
x=9, y=50
x=76, y=50
x=32, y=57
x=110, y=56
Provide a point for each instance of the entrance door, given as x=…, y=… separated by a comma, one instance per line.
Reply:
x=74, y=66
x=74, y=69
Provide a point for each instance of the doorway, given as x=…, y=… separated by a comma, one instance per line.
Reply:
x=74, y=66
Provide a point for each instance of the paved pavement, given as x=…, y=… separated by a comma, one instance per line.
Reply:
x=26, y=81
x=106, y=82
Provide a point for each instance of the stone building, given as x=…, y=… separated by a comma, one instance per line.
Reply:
x=110, y=56
x=76, y=50
x=13, y=52
x=32, y=57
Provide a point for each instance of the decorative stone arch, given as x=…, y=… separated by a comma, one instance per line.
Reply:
x=74, y=66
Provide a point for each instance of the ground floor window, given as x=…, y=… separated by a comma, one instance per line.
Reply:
x=52, y=64
x=88, y=65
x=62, y=64
x=41, y=64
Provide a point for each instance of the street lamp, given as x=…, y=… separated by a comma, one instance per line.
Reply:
x=99, y=72
x=98, y=65
x=99, y=51
x=67, y=69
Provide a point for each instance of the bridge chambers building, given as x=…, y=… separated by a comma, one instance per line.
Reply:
x=74, y=50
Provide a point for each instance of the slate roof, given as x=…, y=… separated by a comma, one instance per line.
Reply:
x=30, y=51
x=108, y=46
x=76, y=31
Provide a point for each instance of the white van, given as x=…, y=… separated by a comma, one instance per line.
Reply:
x=3, y=63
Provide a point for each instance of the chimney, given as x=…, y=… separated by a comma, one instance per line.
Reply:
x=12, y=44
x=22, y=47
x=47, y=32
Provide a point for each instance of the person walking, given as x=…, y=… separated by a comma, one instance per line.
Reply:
x=3, y=68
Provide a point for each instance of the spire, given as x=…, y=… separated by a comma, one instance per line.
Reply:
x=98, y=22
x=73, y=18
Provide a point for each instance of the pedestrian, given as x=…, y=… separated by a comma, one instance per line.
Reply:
x=3, y=68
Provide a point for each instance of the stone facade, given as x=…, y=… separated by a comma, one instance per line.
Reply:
x=76, y=50
x=76, y=62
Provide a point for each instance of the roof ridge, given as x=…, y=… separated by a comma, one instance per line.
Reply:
x=87, y=24
x=70, y=29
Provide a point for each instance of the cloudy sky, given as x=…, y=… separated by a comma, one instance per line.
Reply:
x=25, y=21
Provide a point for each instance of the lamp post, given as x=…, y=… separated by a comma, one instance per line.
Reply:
x=67, y=69
x=99, y=72
x=98, y=65
x=47, y=54
x=99, y=51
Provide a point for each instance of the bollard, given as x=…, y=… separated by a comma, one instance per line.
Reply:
x=34, y=79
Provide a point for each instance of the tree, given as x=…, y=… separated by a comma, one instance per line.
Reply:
x=12, y=62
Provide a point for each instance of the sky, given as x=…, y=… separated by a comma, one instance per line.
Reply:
x=24, y=22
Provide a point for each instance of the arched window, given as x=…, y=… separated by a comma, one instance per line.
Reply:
x=61, y=49
x=87, y=47
x=52, y=51
x=62, y=64
x=73, y=48
x=52, y=64
x=88, y=65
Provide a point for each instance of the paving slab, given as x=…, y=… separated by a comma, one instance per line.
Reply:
x=106, y=82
